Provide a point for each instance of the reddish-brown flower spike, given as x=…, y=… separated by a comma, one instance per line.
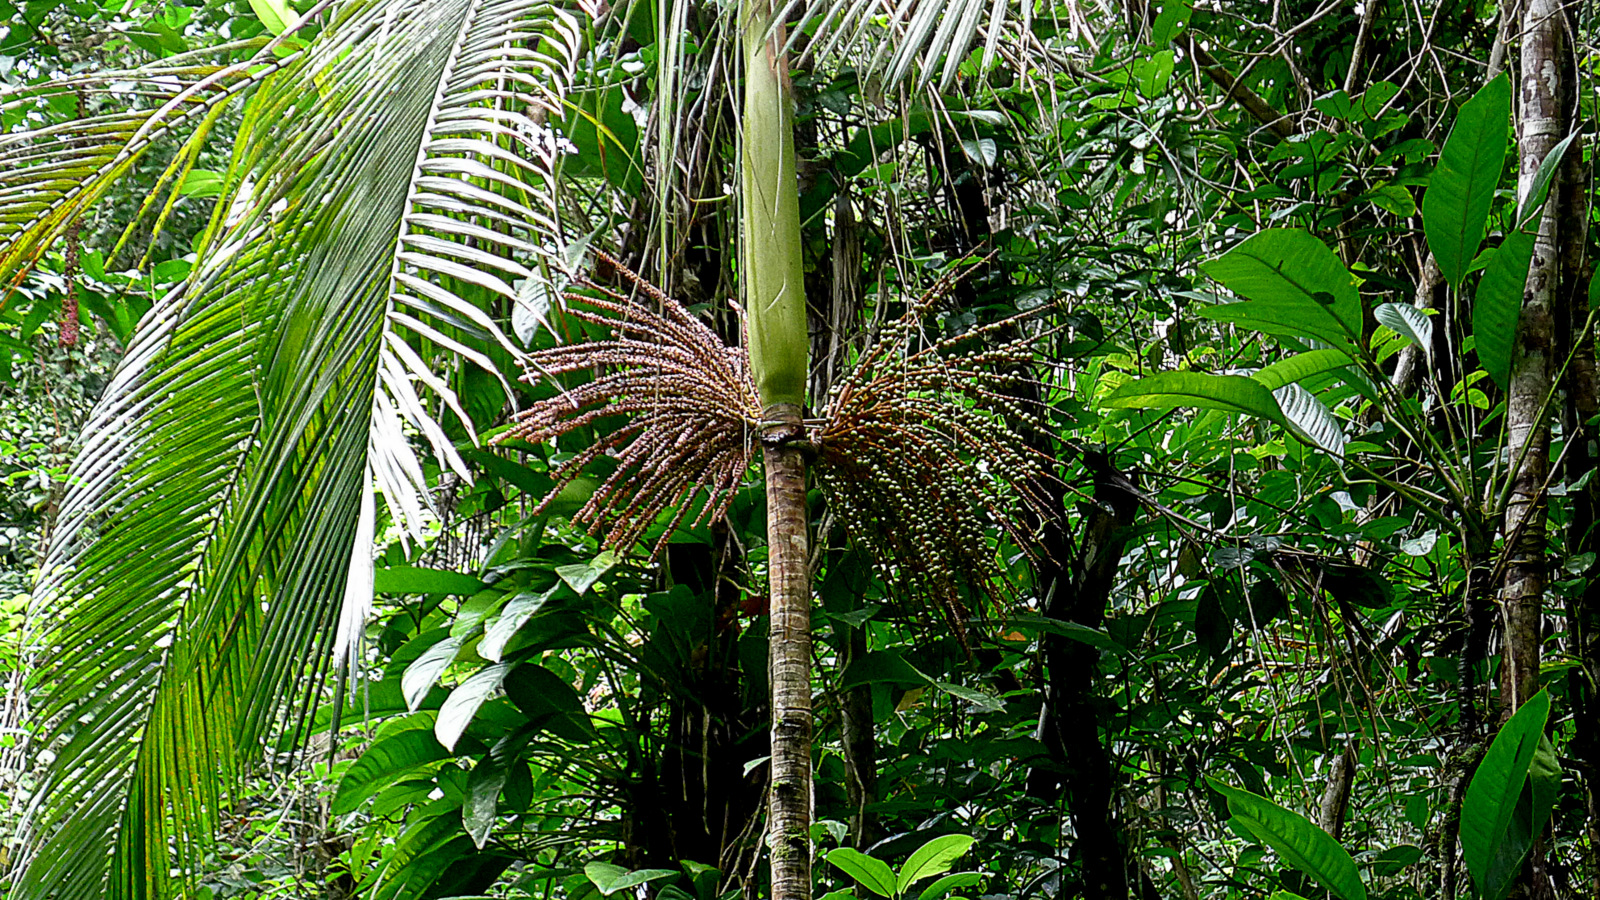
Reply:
x=691, y=404
x=922, y=455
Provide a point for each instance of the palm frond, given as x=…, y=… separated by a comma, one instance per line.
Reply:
x=51, y=175
x=903, y=41
x=388, y=184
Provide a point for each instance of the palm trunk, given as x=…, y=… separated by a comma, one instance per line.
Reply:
x=774, y=294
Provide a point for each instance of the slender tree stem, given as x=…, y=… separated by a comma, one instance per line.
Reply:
x=789, y=656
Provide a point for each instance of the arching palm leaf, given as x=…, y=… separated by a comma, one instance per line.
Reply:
x=386, y=185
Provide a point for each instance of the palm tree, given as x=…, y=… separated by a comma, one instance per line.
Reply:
x=393, y=180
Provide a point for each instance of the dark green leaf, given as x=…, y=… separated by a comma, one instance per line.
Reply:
x=1492, y=797
x=1297, y=841
x=464, y=701
x=1231, y=393
x=488, y=777
x=1281, y=272
x=1497, y=308
x=545, y=698
x=418, y=580
x=881, y=666
x=1533, y=202
x=385, y=762
x=1455, y=208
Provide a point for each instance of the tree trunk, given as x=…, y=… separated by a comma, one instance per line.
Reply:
x=1336, y=795
x=789, y=807
x=1540, y=125
x=773, y=284
x=859, y=739
x=1081, y=765
x=1582, y=383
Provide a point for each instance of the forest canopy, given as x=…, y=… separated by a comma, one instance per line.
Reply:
x=986, y=450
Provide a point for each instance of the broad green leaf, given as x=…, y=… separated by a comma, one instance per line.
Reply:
x=1299, y=842
x=872, y=874
x=1310, y=420
x=1171, y=21
x=1230, y=393
x=1455, y=208
x=949, y=883
x=201, y=183
x=611, y=878
x=1392, y=198
x=933, y=858
x=1293, y=285
x=582, y=576
x=881, y=666
x=1492, y=797
x=518, y=610
x=419, y=580
x=484, y=784
x=1528, y=819
x=388, y=760
x=1544, y=782
x=462, y=704
x=1408, y=322
x=1076, y=631
x=545, y=698
x=424, y=672
x=1497, y=308
x=984, y=702
x=275, y=14
x=1301, y=366
x=1334, y=104
x=1533, y=202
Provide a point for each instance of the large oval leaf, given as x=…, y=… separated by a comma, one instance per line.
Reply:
x=1293, y=285
x=1301, y=366
x=1491, y=799
x=463, y=703
x=1300, y=843
x=1310, y=420
x=421, y=675
x=385, y=762
x=1455, y=208
x=1498, y=305
x=932, y=858
x=1232, y=393
x=872, y=874
x=1408, y=322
